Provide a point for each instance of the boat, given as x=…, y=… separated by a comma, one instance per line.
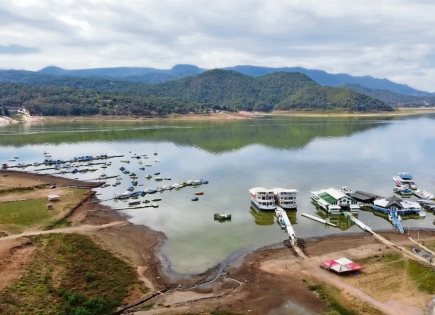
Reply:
x=157, y=199
x=157, y=173
x=285, y=198
x=148, y=176
x=159, y=179
x=167, y=178
x=194, y=198
x=262, y=198
x=131, y=188
x=405, y=179
x=199, y=193
x=334, y=201
x=222, y=216
x=134, y=203
x=422, y=194
x=142, y=168
x=403, y=191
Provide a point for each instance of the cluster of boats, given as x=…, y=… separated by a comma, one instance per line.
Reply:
x=344, y=200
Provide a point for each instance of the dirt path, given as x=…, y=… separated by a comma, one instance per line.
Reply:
x=390, y=307
x=74, y=229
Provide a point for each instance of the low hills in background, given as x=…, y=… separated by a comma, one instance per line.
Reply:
x=187, y=88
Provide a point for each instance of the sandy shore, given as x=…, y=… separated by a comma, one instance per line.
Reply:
x=240, y=115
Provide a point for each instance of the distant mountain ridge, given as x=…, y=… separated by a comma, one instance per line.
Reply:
x=132, y=74
x=154, y=75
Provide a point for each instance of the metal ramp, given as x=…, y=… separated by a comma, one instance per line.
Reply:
x=396, y=221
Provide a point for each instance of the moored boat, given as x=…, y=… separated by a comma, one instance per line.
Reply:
x=285, y=198
x=262, y=198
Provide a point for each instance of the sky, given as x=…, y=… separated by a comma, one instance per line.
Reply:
x=392, y=39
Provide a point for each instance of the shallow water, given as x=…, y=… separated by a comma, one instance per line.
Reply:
x=306, y=154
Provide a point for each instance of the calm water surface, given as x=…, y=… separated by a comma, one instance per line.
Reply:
x=306, y=154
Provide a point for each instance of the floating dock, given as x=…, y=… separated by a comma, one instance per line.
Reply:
x=284, y=221
x=312, y=217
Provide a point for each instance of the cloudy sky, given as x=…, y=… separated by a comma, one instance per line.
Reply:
x=383, y=38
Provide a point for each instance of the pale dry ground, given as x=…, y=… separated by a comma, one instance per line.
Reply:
x=404, y=298
x=13, y=254
x=10, y=182
x=36, y=194
x=86, y=228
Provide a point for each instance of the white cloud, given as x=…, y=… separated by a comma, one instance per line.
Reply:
x=383, y=38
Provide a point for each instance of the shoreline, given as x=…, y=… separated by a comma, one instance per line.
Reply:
x=230, y=116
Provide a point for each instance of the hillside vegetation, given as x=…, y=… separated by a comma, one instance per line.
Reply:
x=214, y=89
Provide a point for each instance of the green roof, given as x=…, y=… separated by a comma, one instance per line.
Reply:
x=327, y=197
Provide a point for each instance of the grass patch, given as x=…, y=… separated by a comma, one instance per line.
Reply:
x=57, y=224
x=424, y=277
x=17, y=216
x=6, y=191
x=331, y=296
x=69, y=274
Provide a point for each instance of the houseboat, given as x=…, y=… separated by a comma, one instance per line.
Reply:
x=334, y=201
x=404, y=179
x=262, y=198
x=396, y=204
x=285, y=198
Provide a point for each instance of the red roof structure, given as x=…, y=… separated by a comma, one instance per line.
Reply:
x=341, y=265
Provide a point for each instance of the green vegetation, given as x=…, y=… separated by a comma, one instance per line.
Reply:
x=338, y=305
x=17, y=215
x=211, y=90
x=423, y=276
x=69, y=274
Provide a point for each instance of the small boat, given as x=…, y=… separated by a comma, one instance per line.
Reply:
x=148, y=176
x=126, y=172
x=157, y=173
x=146, y=201
x=156, y=160
x=125, y=161
x=157, y=199
x=199, y=193
x=134, y=203
x=194, y=198
x=134, y=183
x=148, y=165
x=142, y=168
x=131, y=188
x=159, y=179
x=155, y=153
x=222, y=216
x=154, y=205
x=167, y=178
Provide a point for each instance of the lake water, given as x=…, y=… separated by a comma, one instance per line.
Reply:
x=305, y=153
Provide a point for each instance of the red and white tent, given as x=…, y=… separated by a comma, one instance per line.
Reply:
x=341, y=265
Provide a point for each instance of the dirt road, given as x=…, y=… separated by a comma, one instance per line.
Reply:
x=74, y=229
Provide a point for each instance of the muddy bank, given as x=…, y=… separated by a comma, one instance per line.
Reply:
x=50, y=179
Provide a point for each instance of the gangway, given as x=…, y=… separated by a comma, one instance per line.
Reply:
x=284, y=221
x=395, y=219
x=313, y=217
x=358, y=222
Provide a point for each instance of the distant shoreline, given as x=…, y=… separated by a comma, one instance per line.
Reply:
x=241, y=115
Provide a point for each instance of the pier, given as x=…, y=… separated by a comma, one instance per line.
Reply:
x=285, y=223
x=312, y=217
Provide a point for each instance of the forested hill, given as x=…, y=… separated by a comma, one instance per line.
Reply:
x=277, y=91
x=218, y=89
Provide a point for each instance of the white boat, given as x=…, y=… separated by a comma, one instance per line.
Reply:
x=285, y=198
x=404, y=179
x=422, y=194
x=262, y=198
x=334, y=201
